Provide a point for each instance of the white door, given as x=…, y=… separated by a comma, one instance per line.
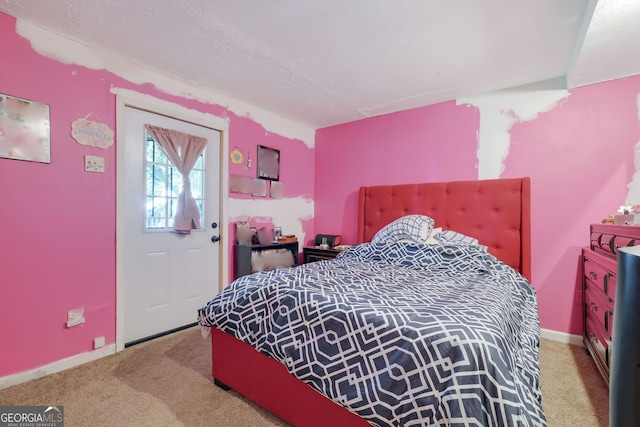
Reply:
x=167, y=276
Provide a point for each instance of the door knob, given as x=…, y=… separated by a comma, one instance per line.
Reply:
x=215, y=239
x=214, y=225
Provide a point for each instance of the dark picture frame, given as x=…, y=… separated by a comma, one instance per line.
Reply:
x=268, y=163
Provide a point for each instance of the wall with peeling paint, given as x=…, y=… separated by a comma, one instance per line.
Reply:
x=579, y=147
x=58, y=223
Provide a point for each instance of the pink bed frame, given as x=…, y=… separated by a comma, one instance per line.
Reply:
x=496, y=212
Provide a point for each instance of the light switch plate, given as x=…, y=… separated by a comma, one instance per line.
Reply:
x=75, y=317
x=94, y=164
x=98, y=342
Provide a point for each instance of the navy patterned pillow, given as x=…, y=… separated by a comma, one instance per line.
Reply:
x=413, y=227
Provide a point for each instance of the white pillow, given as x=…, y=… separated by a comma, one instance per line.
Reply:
x=432, y=237
x=454, y=238
x=413, y=227
x=432, y=240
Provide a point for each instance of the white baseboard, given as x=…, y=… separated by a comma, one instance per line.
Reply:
x=562, y=337
x=60, y=365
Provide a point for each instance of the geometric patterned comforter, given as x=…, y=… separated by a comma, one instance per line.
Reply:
x=400, y=334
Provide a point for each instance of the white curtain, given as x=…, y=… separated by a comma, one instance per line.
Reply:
x=183, y=150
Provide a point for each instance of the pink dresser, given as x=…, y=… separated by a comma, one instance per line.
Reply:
x=599, y=288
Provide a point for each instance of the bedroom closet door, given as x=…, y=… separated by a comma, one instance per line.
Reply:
x=167, y=276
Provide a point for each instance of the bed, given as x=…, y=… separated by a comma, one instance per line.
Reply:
x=481, y=369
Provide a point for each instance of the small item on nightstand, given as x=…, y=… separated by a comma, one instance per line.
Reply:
x=265, y=236
x=243, y=233
x=324, y=244
x=331, y=239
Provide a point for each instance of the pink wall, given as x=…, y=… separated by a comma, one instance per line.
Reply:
x=389, y=149
x=57, y=222
x=579, y=156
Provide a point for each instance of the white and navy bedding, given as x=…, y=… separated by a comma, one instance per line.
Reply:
x=401, y=334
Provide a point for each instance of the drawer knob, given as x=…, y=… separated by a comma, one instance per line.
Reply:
x=593, y=275
x=593, y=306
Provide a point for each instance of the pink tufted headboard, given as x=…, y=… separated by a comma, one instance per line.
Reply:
x=494, y=211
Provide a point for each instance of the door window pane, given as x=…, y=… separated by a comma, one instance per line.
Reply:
x=196, y=184
x=156, y=180
x=164, y=184
x=175, y=182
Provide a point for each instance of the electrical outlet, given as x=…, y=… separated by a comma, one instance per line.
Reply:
x=94, y=164
x=98, y=342
x=75, y=317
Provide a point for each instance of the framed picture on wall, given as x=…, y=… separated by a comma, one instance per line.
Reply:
x=268, y=163
x=24, y=129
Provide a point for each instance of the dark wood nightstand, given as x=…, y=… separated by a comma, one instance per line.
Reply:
x=315, y=253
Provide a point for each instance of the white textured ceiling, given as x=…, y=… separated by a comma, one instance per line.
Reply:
x=324, y=62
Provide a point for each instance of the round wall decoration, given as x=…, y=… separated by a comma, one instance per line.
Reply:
x=236, y=156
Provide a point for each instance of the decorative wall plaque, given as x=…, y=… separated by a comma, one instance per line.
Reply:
x=91, y=133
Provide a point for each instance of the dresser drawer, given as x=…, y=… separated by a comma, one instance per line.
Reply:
x=611, y=287
x=597, y=306
x=600, y=277
x=598, y=343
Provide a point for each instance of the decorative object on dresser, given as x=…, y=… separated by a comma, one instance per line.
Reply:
x=599, y=288
x=248, y=259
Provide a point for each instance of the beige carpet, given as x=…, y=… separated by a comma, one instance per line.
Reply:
x=166, y=382
x=573, y=392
